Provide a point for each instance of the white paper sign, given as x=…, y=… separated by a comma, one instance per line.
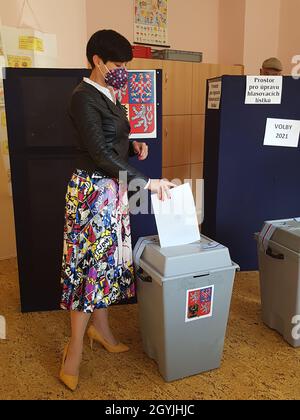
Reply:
x=214, y=94
x=265, y=90
x=25, y=47
x=282, y=133
x=176, y=219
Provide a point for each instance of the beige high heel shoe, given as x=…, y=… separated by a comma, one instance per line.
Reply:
x=71, y=382
x=93, y=334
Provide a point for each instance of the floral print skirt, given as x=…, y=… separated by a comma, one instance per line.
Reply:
x=97, y=267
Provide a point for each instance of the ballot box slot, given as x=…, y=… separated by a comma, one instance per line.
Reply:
x=202, y=275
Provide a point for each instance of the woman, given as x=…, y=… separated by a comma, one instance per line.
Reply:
x=97, y=268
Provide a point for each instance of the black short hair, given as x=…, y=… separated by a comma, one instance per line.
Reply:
x=109, y=45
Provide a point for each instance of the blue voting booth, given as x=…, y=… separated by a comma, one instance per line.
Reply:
x=246, y=182
x=43, y=155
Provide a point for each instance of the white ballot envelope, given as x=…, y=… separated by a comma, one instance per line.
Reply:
x=176, y=219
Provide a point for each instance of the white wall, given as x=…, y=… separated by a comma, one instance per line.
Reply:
x=226, y=31
x=289, y=33
x=66, y=18
x=231, y=31
x=261, y=38
x=193, y=24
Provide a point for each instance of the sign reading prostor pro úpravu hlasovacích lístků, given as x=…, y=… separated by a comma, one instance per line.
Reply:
x=264, y=90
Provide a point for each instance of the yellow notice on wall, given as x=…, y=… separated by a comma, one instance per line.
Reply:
x=3, y=119
x=19, y=61
x=31, y=43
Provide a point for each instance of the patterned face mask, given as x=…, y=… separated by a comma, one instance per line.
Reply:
x=117, y=78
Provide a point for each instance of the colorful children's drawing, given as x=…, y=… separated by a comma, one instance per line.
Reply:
x=151, y=22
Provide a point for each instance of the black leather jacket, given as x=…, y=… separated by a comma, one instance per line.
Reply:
x=103, y=133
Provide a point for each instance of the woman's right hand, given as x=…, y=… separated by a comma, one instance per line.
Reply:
x=162, y=188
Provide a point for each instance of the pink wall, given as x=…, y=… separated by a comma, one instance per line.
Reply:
x=252, y=30
x=226, y=31
x=289, y=40
x=66, y=18
x=118, y=17
x=261, y=33
x=231, y=31
x=193, y=24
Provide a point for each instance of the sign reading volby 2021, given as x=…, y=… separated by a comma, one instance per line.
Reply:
x=282, y=133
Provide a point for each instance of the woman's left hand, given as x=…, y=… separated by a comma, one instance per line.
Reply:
x=141, y=149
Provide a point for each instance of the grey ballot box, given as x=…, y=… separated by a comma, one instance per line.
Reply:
x=279, y=267
x=184, y=296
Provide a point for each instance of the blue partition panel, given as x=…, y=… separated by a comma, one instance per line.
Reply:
x=246, y=182
x=42, y=152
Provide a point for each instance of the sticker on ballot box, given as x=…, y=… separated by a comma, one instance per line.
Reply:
x=199, y=303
